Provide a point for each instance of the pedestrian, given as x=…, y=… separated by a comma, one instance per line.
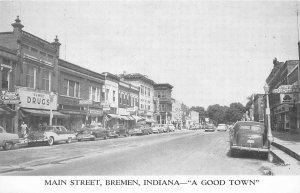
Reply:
x=23, y=129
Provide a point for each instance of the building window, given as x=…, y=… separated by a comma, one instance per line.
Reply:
x=158, y=94
x=43, y=53
x=148, y=91
x=45, y=80
x=120, y=99
x=34, y=50
x=5, y=78
x=71, y=88
x=50, y=56
x=163, y=94
x=30, y=77
x=94, y=94
x=148, y=107
x=107, y=92
x=123, y=98
x=142, y=90
x=114, y=96
x=142, y=106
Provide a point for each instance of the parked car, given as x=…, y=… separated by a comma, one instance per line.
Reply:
x=91, y=132
x=7, y=140
x=121, y=131
x=162, y=128
x=249, y=136
x=171, y=127
x=85, y=135
x=222, y=127
x=50, y=135
x=135, y=131
x=146, y=130
x=155, y=129
x=210, y=128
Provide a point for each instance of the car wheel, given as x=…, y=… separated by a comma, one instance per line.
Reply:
x=265, y=155
x=233, y=152
x=50, y=141
x=69, y=140
x=7, y=146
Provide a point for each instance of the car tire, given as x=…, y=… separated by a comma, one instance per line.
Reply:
x=50, y=141
x=264, y=155
x=69, y=140
x=8, y=146
x=233, y=152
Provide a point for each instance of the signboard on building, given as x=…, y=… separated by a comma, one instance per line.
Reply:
x=286, y=98
x=96, y=112
x=85, y=102
x=9, y=97
x=36, y=99
x=283, y=89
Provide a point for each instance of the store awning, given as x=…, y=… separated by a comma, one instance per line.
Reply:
x=44, y=113
x=130, y=118
x=114, y=116
x=5, y=110
x=138, y=118
x=125, y=117
x=150, y=121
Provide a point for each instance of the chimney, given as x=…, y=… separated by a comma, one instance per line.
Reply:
x=56, y=44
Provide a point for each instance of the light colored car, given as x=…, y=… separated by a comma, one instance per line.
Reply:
x=155, y=129
x=249, y=136
x=135, y=131
x=50, y=135
x=7, y=140
x=210, y=128
x=222, y=127
x=171, y=127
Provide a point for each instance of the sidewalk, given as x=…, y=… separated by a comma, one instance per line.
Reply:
x=288, y=143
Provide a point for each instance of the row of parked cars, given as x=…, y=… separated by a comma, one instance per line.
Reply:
x=57, y=133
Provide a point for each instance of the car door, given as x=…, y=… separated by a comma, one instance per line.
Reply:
x=63, y=133
x=1, y=136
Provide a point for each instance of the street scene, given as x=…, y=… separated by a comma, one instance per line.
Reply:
x=118, y=89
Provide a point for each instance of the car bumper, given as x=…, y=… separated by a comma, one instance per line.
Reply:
x=250, y=149
x=37, y=140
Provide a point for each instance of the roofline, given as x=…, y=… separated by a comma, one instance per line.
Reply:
x=92, y=73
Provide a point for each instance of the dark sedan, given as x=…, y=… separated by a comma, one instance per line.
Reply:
x=249, y=136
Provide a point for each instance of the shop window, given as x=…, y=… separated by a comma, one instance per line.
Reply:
x=30, y=77
x=45, y=80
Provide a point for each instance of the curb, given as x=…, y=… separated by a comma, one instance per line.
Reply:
x=275, y=158
x=286, y=150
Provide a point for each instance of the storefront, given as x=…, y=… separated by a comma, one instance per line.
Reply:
x=7, y=102
x=36, y=107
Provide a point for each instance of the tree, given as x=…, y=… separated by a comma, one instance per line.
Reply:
x=217, y=113
x=235, y=112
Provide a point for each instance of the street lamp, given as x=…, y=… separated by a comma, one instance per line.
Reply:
x=270, y=136
x=51, y=112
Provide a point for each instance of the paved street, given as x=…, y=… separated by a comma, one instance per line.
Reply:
x=178, y=153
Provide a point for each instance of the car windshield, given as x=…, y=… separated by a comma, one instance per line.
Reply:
x=255, y=128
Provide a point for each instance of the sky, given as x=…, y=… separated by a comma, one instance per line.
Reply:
x=211, y=52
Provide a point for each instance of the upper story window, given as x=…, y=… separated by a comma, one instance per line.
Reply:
x=145, y=91
x=71, y=88
x=148, y=91
x=106, y=94
x=30, y=76
x=94, y=93
x=45, y=80
x=34, y=50
x=50, y=56
x=120, y=99
x=142, y=90
x=114, y=96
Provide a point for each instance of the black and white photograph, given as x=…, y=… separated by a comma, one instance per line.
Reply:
x=150, y=88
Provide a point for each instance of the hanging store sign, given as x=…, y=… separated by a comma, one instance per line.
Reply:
x=36, y=99
x=9, y=97
x=96, y=112
x=284, y=89
x=286, y=98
